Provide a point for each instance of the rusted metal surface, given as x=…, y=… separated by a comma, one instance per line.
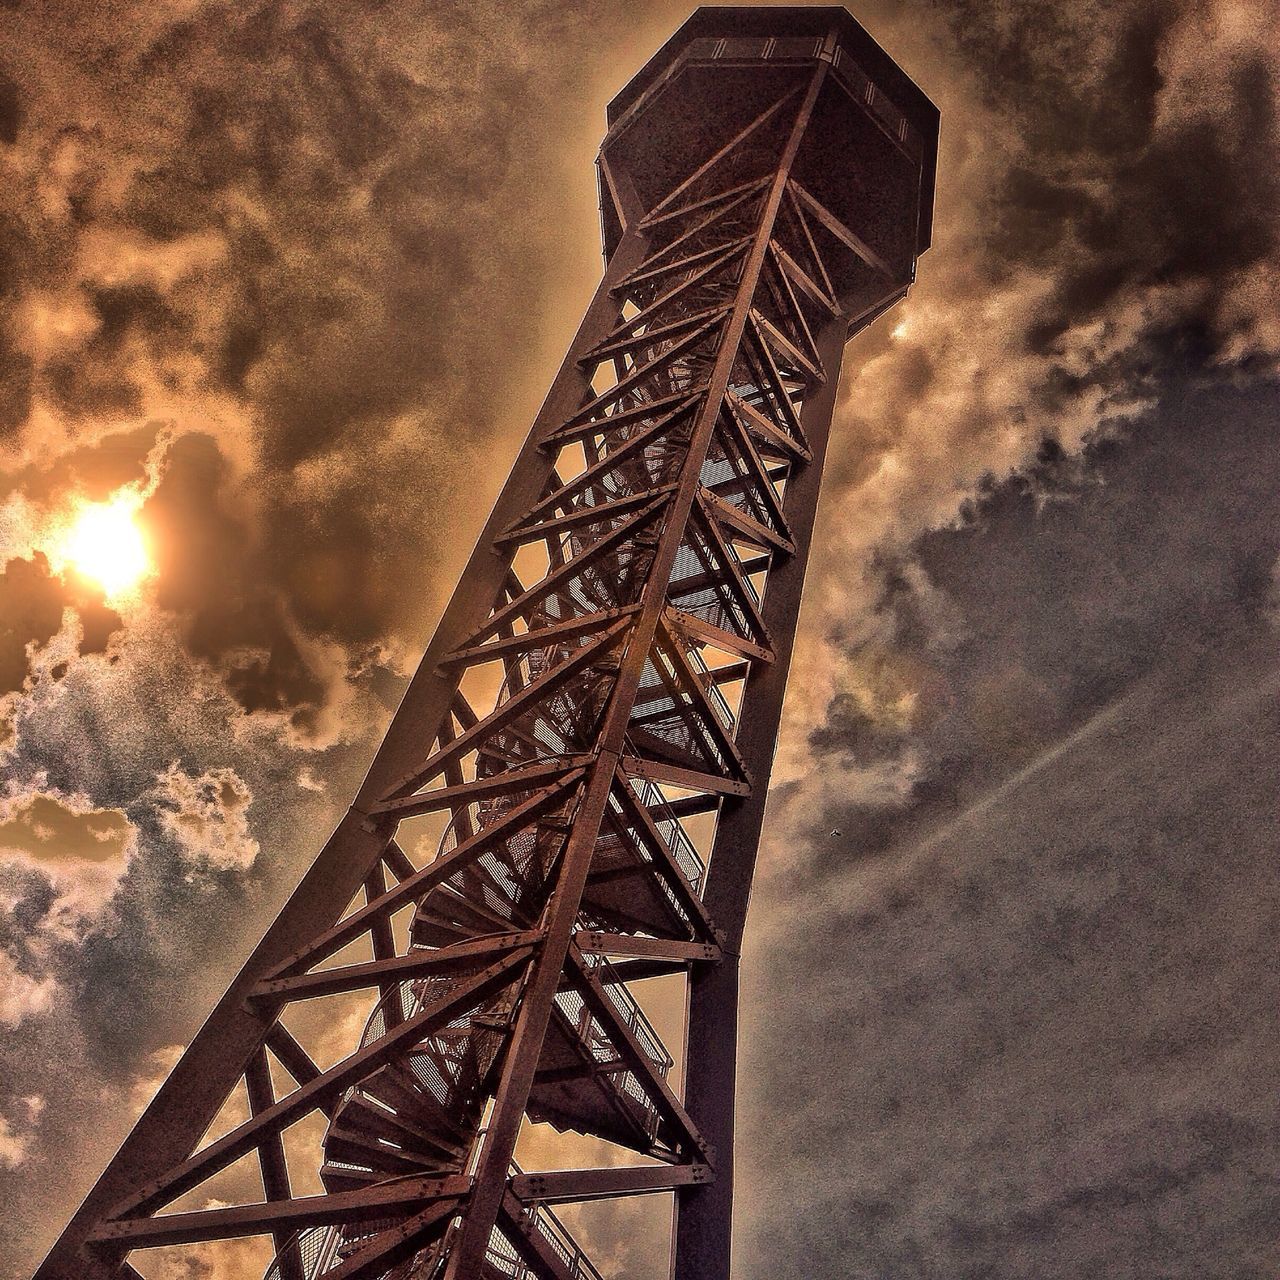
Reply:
x=591, y=729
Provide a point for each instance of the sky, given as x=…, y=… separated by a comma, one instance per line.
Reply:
x=287, y=280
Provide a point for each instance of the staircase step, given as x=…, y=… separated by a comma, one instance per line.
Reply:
x=455, y=911
x=372, y=1120
x=425, y=931
x=450, y=1126
x=349, y=1146
x=336, y=1178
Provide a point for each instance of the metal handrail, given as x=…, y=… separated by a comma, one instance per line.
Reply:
x=633, y=1016
x=504, y=1259
x=682, y=848
x=713, y=691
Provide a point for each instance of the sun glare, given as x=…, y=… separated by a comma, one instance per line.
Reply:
x=105, y=545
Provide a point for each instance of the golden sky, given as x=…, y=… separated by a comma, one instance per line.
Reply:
x=281, y=285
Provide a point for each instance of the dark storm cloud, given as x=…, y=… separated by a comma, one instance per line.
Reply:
x=211, y=574
x=1016, y=891
x=93, y=470
x=298, y=227
x=1047, y=1046
x=1058, y=587
x=1090, y=88
x=1064, y=582
x=1030, y=1047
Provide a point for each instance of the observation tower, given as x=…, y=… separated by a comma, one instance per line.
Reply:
x=564, y=815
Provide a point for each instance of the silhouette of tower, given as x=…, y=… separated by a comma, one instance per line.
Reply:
x=568, y=802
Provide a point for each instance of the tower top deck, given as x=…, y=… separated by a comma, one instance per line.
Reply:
x=722, y=49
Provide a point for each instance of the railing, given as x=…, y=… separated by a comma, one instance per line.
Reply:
x=502, y=1258
x=310, y=1253
x=682, y=848
x=557, y=1235
x=501, y=1255
x=629, y=1011
x=316, y=1251
x=593, y=1036
x=707, y=680
x=710, y=49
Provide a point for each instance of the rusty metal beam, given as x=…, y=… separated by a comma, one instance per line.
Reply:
x=367, y=1205
x=394, y=968
x=567, y=1186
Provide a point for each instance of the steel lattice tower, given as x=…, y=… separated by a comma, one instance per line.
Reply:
x=569, y=799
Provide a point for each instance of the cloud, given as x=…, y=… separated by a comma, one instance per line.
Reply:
x=206, y=816
x=258, y=244
x=1035, y=1047
x=32, y=603
x=1027, y=973
x=22, y=996
x=16, y=1135
x=1057, y=586
x=80, y=850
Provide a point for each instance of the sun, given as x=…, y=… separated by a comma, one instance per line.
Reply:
x=105, y=545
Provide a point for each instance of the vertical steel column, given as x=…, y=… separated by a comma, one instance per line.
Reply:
x=704, y=1214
